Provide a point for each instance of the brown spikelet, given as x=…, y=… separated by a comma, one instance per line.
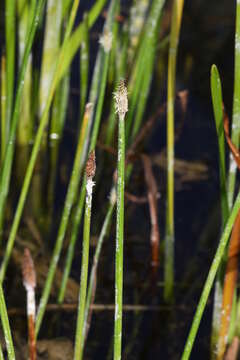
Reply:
x=28, y=270
x=91, y=165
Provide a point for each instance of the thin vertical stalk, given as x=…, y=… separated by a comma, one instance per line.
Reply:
x=36, y=146
x=169, y=237
x=3, y=107
x=56, y=128
x=236, y=109
x=84, y=65
x=121, y=108
x=50, y=50
x=10, y=7
x=6, y=327
x=25, y=129
x=93, y=275
x=210, y=279
x=79, y=339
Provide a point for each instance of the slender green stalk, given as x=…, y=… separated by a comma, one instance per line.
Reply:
x=25, y=129
x=7, y=166
x=56, y=129
x=84, y=65
x=36, y=146
x=169, y=237
x=79, y=339
x=6, y=327
x=236, y=109
x=50, y=50
x=3, y=107
x=121, y=108
x=10, y=10
x=210, y=279
x=93, y=275
x=71, y=194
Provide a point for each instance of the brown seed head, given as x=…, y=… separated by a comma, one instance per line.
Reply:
x=28, y=270
x=91, y=165
x=121, y=99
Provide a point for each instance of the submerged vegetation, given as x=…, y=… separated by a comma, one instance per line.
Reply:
x=74, y=110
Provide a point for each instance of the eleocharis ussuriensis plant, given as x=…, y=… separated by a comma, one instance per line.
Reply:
x=79, y=340
x=121, y=109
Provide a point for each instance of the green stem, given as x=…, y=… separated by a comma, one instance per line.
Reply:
x=169, y=238
x=10, y=60
x=6, y=327
x=236, y=109
x=119, y=241
x=79, y=339
x=93, y=275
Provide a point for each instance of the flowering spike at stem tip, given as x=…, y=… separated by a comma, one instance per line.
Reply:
x=28, y=270
x=121, y=99
x=91, y=165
